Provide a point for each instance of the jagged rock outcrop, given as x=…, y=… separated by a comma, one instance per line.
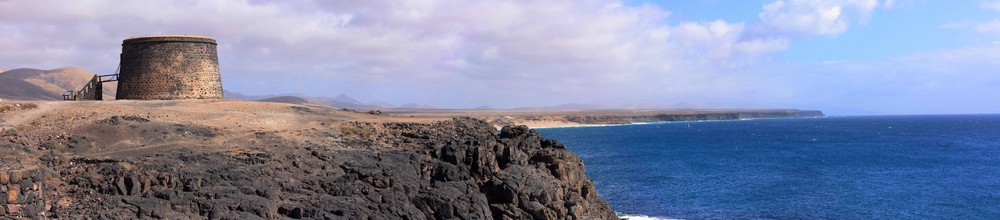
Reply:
x=521, y=174
x=458, y=169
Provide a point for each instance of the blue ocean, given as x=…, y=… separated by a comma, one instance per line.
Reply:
x=858, y=167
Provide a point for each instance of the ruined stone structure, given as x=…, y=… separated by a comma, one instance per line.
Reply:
x=22, y=186
x=169, y=67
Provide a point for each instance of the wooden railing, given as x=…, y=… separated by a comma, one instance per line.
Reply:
x=93, y=90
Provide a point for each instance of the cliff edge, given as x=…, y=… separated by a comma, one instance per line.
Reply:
x=180, y=160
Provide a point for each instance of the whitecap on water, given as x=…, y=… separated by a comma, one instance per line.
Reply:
x=642, y=217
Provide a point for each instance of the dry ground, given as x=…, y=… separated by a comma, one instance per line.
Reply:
x=194, y=159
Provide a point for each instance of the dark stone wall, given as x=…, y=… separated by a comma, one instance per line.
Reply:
x=169, y=67
x=22, y=182
x=22, y=190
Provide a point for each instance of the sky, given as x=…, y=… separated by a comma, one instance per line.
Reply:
x=845, y=57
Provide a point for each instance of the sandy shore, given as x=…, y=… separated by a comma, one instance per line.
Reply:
x=553, y=124
x=279, y=112
x=575, y=118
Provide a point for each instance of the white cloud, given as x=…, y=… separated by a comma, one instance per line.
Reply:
x=758, y=46
x=992, y=27
x=991, y=5
x=988, y=27
x=560, y=48
x=949, y=80
x=814, y=17
x=455, y=53
x=889, y=4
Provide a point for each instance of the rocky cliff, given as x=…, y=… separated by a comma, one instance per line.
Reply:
x=809, y=113
x=457, y=169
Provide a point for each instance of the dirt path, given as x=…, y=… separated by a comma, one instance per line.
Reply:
x=14, y=118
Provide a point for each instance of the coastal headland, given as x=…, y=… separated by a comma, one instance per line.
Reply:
x=225, y=159
x=564, y=118
x=181, y=159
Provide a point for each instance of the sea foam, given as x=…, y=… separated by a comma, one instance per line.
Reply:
x=642, y=217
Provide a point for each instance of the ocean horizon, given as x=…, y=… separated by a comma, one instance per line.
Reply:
x=853, y=167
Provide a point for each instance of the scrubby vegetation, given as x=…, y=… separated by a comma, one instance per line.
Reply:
x=14, y=107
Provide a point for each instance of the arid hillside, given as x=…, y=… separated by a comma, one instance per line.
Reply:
x=13, y=88
x=288, y=99
x=34, y=84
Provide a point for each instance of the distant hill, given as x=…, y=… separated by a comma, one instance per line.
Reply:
x=52, y=83
x=345, y=99
x=339, y=101
x=286, y=99
x=14, y=88
x=346, y=105
x=236, y=95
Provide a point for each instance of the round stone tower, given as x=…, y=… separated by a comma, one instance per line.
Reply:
x=169, y=67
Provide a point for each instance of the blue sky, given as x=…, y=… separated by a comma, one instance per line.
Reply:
x=842, y=56
x=905, y=27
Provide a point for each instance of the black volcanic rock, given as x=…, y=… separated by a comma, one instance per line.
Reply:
x=458, y=169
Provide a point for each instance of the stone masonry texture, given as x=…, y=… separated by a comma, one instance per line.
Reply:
x=169, y=67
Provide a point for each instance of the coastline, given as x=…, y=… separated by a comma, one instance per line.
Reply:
x=547, y=125
x=539, y=119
